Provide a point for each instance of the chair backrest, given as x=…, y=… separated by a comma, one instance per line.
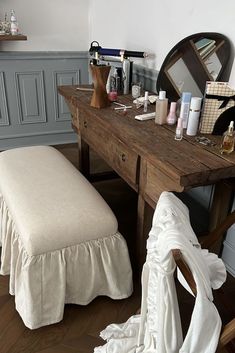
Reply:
x=228, y=332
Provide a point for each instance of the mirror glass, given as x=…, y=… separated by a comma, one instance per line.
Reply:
x=194, y=60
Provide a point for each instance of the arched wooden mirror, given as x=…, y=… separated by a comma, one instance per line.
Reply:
x=194, y=60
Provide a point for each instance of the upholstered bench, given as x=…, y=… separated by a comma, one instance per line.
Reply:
x=60, y=242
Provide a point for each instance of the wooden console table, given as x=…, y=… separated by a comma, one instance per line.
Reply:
x=147, y=156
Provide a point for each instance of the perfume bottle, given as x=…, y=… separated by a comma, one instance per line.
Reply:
x=161, y=108
x=227, y=145
x=146, y=101
x=14, y=24
x=171, y=117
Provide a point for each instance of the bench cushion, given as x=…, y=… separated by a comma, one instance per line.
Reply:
x=60, y=242
x=46, y=196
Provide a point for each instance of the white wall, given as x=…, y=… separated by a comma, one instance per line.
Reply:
x=51, y=25
x=156, y=26
x=153, y=26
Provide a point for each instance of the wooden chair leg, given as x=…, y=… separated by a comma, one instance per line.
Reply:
x=227, y=335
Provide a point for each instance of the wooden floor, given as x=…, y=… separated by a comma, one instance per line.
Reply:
x=79, y=330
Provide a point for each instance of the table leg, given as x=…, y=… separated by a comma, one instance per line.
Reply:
x=84, y=157
x=144, y=222
x=144, y=217
x=221, y=203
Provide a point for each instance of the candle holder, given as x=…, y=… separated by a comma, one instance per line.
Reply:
x=100, y=75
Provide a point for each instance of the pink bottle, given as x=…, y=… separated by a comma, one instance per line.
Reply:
x=171, y=117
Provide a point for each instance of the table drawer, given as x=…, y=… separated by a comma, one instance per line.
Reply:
x=156, y=182
x=116, y=153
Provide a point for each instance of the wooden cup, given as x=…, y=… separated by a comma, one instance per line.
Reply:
x=100, y=75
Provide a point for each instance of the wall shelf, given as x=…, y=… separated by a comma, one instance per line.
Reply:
x=6, y=37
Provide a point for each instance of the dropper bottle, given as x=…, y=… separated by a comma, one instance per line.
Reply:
x=146, y=101
x=227, y=145
x=179, y=130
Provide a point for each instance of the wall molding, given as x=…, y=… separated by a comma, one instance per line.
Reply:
x=34, y=55
x=65, y=77
x=25, y=97
x=28, y=88
x=40, y=133
x=4, y=116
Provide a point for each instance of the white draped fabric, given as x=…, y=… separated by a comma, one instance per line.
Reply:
x=158, y=327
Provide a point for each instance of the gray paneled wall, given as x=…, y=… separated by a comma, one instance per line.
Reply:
x=31, y=110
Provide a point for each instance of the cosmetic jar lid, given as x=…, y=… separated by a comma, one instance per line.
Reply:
x=186, y=97
x=195, y=103
x=162, y=95
x=173, y=106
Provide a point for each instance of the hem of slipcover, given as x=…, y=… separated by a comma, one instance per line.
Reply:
x=126, y=285
x=60, y=318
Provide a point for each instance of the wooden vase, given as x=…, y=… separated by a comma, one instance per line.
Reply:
x=100, y=75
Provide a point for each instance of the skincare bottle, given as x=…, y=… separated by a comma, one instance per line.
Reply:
x=227, y=145
x=194, y=113
x=184, y=109
x=171, y=117
x=179, y=130
x=146, y=101
x=161, y=108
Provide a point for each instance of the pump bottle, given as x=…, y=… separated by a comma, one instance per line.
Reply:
x=161, y=108
x=227, y=145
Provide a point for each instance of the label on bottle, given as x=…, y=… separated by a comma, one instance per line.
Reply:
x=14, y=28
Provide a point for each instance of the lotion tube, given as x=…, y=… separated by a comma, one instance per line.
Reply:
x=194, y=114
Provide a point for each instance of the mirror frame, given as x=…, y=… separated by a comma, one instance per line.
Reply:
x=183, y=49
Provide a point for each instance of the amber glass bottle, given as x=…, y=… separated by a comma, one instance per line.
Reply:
x=227, y=145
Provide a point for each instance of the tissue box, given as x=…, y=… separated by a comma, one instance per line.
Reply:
x=218, y=108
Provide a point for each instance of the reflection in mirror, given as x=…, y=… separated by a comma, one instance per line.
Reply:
x=181, y=78
x=194, y=60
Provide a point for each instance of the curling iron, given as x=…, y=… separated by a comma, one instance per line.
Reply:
x=97, y=50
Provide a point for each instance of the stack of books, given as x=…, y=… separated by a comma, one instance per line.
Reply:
x=205, y=46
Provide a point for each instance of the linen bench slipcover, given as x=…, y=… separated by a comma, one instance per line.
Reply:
x=60, y=242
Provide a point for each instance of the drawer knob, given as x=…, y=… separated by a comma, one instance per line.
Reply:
x=123, y=157
x=85, y=124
